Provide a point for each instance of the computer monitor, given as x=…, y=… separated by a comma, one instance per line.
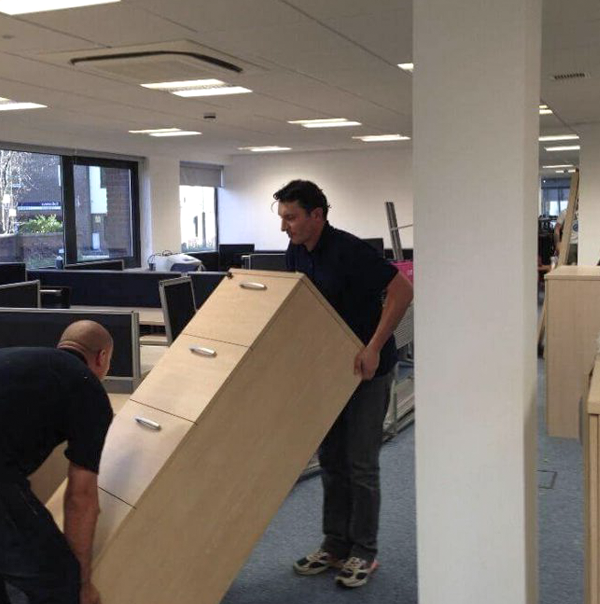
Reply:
x=230, y=254
x=267, y=262
x=377, y=244
x=179, y=307
x=20, y=295
x=12, y=272
x=204, y=284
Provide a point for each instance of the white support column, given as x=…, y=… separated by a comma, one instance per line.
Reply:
x=476, y=95
x=589, y=195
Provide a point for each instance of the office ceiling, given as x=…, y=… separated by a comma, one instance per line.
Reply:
x=302, y=59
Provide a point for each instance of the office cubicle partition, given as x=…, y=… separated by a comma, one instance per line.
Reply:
x=107, y=288
x=20, y=295
x=98, y=265
x=204, y=283
x=179, y=308
x=43, y=327
x=12, y=272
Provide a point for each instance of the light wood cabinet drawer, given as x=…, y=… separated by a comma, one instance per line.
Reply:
x=241, y=307
x=139, y=443
x=185, y=383
x=112, y=513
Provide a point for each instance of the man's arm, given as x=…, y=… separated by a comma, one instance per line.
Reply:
x=399, y=294
x=81, y=513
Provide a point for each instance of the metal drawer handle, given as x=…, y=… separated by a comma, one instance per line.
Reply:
x=203, y=352
x=148, y=423
x=253, y=285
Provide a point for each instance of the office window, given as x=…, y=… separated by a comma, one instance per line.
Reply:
x=103, y=210
x=198, y=212
x=77, y=209
x=31, y=215
x=555, y=196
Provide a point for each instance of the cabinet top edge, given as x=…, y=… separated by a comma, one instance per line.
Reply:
x=574, y=273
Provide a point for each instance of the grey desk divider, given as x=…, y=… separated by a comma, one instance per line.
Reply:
x=12, y=272
x=179, y=308
x=204, y=283
x=43, y=327
x=98, y=265
x=107, y=288
x=20, y=295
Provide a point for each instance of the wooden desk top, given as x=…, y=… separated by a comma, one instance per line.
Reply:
x=148, y=316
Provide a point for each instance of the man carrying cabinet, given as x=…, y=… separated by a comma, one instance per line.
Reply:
x=353, y=278
x=49, y=396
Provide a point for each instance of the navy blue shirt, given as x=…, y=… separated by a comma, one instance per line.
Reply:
x=352, y=277
x=48, y=396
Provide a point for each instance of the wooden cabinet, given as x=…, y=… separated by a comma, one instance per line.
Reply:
x=237, y=430
x=591, y=460
x=573, y=324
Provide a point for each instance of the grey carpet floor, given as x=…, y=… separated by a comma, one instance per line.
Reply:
x=267, y=577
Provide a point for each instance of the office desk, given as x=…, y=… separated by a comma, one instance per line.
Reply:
x=148, y=316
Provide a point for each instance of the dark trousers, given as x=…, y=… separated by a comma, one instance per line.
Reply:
x=34, y=555
x=349, y=458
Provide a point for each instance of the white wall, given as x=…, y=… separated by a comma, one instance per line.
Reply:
x=356, y=183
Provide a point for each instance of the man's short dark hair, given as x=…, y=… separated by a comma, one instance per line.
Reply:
x=306, y=193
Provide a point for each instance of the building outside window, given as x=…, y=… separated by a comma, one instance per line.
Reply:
x=198, y=212
x=199, y=203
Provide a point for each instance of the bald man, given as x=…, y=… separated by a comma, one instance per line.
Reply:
x=49, y=396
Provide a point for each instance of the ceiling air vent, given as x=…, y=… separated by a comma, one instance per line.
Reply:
x=575, y=75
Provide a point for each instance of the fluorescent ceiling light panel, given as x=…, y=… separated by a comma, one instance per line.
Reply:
x=546, y=111
x=154, y=130
x=334, y=122
x=410, y=67
x=559, y=171
x=7, y=105
x=182, y=84
x=266, y=149
x=559, y=137
x=571, y=171
x=557, y=166
x=216, y=91
x=21, y=7
x=564, y=148
x=381, y=138
x=176, y=133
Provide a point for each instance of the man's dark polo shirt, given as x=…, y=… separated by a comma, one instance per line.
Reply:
x=352, y=277
x=48, y=396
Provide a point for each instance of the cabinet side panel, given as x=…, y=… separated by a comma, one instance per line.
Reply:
x=196, y=525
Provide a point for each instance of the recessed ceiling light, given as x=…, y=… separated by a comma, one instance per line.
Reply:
x=375, y=138
x=559, y=137
x=177, y=133
x=559, y=171
x=557, y=166
x=266, y=149
x=564, y=148
x=546, y=111
x=193, y=88
x=216, y=91
x=21, y=7
x=180, y=85
x=154, y=130
x=8, y=105
x=571, y=171
x=334, y=122
x=410, y=67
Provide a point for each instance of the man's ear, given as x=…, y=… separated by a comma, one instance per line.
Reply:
x=317, y=213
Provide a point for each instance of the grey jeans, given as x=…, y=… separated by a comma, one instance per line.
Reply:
x=349, y=458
